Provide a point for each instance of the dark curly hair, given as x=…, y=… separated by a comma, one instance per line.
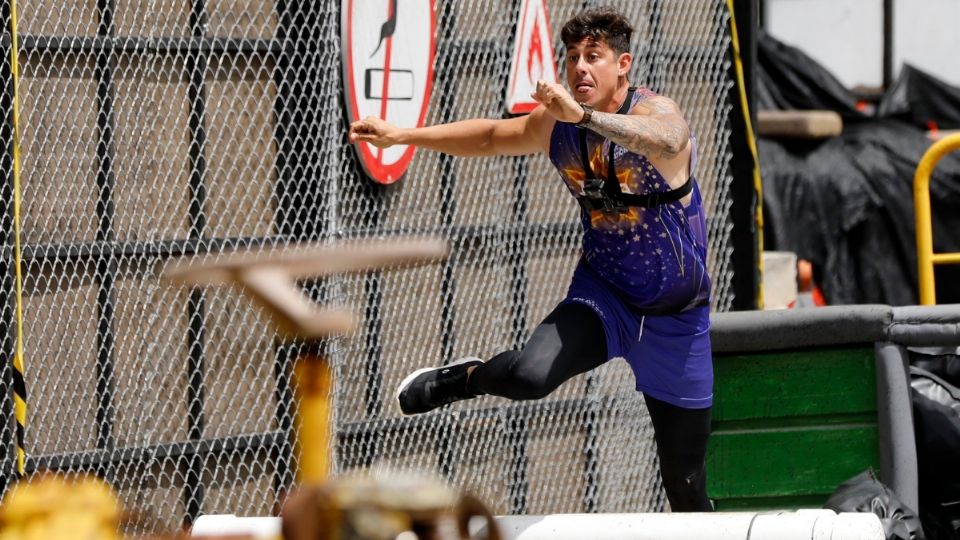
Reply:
x=601, y=24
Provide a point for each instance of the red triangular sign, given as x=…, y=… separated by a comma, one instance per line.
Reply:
x=532, y=56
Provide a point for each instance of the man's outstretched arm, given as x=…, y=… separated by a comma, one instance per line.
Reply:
x=468, y=138
x=653, y=128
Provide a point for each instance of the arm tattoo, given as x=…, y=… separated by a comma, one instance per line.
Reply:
x=654, y=137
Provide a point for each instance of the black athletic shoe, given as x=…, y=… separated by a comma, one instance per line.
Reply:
x=429, y=388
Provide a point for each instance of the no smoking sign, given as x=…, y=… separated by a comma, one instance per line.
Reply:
x=388, y=48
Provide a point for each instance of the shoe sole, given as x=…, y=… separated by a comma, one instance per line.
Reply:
x=409, y=379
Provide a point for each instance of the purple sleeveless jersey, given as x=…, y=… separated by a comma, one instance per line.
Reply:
x=643, y=272
x=654, y=257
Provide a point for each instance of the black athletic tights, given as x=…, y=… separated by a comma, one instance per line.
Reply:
x=571, y=341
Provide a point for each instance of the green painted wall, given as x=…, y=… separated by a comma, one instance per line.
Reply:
x=789, y=426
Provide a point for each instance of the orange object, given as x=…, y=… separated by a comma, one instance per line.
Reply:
x=808, y=294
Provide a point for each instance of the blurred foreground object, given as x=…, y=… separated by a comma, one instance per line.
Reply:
x=383, y=507
x=359, y=506
x=49, y=507
x=269, y=277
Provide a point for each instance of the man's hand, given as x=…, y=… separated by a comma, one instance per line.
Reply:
x=558, y=102
x=375, y=131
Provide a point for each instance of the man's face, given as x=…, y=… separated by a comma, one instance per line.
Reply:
x=593, y=69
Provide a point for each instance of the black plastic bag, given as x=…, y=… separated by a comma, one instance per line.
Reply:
x=864, y=493
x=936, y=419
x=945, y=366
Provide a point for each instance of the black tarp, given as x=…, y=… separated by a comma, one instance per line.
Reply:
x=846, y=203
x=922, y=100
x=789, y=79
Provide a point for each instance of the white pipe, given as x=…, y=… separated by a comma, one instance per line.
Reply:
x=231, y=525
x=776, y=525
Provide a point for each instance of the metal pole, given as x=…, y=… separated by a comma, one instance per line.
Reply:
x=746, y=234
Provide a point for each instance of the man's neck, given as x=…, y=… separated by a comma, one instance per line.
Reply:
x=619, y=95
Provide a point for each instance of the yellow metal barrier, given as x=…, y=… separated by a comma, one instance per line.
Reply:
x=926, y=258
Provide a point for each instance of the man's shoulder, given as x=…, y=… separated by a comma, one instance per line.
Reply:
x=642, y=92
x=650, y=102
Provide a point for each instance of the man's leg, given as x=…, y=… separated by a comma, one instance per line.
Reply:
x=681, y=436
x=570, y=341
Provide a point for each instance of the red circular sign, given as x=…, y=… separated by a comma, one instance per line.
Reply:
x=389, y=49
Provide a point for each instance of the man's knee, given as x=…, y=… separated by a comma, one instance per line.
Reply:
x=529, y=377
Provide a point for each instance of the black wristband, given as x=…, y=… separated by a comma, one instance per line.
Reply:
x=587, y=114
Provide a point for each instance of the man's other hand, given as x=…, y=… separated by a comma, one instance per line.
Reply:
x=375, y=131
x=558, y=102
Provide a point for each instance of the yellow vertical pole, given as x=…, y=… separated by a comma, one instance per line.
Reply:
x=921, y=206
x=313, y=387
x=19, y=383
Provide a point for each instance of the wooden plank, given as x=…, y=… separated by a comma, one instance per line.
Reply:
x=306, y=261
x=270, y=277
x=794, y=383
x=799, y=124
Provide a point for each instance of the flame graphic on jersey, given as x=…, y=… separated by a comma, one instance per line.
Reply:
x=599, y=220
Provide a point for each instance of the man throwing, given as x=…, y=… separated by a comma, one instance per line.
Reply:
x=640, y=290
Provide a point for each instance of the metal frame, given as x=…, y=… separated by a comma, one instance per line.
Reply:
x=926, y=258
x=746, y=234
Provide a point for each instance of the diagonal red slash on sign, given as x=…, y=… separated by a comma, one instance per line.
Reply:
x=371, y=79
x=386, y=74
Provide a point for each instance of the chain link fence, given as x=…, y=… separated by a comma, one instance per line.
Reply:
x=155, y=129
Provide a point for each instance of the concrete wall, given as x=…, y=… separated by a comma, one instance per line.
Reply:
x=846, y=36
